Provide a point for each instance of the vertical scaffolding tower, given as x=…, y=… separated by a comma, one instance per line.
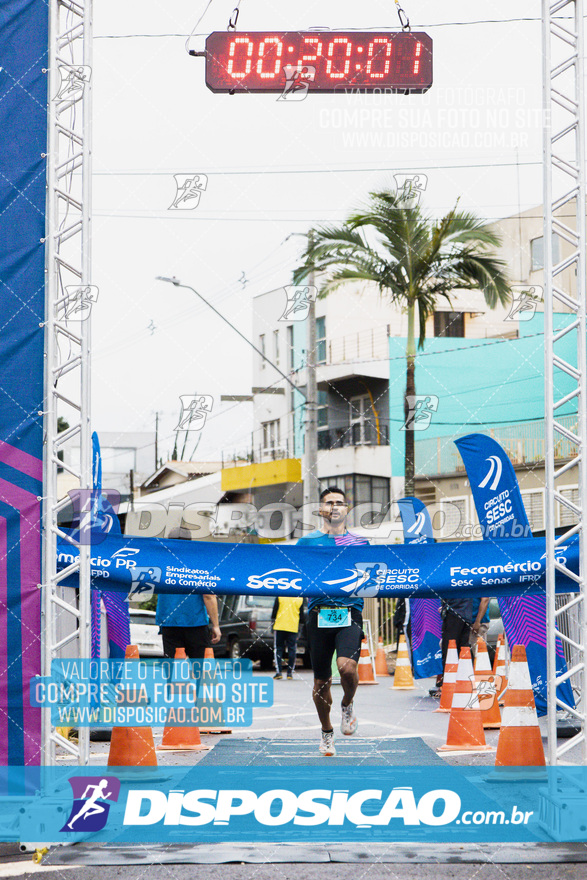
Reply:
x=66, y=611
x=564, y=286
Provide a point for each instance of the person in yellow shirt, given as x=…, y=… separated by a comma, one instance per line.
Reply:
x=286, y=625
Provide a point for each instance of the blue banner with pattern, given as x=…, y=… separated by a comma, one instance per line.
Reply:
x=426, y=623
x=502, y=514
x=507, y=567
x=23, y=123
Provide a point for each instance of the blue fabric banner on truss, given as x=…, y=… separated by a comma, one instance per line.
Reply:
x=426, y=624
x=23, y=123
x=501, y=512
x=505, y=568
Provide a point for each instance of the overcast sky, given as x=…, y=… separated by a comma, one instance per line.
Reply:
x=273, y=168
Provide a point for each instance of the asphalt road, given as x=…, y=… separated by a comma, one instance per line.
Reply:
x=384, y=714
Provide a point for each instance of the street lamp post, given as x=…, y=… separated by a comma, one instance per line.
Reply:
x=310, y=460
x=310, y=469
x=177, y=283
x=310, y=457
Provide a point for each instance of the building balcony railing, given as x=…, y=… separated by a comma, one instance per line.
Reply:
x=358, y=434
x=272, y=453
x=369, y=344
x=257, y=455
x=523, y=443
x=364, y=434
x=373, y=344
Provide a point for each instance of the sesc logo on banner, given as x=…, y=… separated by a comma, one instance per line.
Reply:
x=493, y=474
x=277, y=578
x=369, y=579
x=364, y=581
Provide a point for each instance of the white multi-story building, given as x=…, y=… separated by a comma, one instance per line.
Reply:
x=354, y=329
x=360, y=350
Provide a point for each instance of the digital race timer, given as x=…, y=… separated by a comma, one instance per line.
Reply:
x=322, y=61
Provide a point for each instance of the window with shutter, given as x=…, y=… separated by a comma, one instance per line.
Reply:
x=534, y=504
x=568, y=517
x=454, y=517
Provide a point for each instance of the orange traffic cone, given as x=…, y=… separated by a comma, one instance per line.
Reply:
x=212, y=731
x=381, y=659
x=500, y=639
x=182, y=738
x=365, y=667
x=520, y=740
x=403, y=679
x=449, y=679
x=488, y=687
x=465, y=729
x=132, y=746
x=500, y=667
x=482, y=663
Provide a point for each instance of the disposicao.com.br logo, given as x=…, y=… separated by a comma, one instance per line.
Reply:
x=289, y=803
x=90, y=809
x=366, y=808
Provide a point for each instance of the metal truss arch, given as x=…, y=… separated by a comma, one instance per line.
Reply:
x=69, y=297
x=565, y=381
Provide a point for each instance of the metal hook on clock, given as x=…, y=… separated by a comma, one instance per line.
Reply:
x=233, y=19
x=403, y=17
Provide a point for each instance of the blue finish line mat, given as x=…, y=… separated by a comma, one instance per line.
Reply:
x=267, y=854
x=349, y=752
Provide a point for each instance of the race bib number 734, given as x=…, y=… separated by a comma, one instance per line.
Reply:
x=331, y=617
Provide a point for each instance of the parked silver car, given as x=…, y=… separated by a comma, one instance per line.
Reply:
x=495, y=627
x=144, y=633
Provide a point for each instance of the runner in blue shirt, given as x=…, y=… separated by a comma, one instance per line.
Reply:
x=334, y=624
x=184, y=618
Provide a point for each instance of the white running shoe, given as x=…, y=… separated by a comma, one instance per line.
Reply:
x=327, y=744
x=348, y=721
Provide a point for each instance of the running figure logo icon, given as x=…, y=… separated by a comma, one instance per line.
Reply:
x=194, y=411
x=410, y=188
x=144, y=578
x=90, y=807
x=73, y=81
x=524, y=302
x=77, y=303
x=485, y=688
x=298, y=302
x=297, y=81
x=189, y=189
x=421, y=408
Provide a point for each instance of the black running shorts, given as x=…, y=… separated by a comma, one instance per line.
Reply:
x=194, y=639
x=323, y=642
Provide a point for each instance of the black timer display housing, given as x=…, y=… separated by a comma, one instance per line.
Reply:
x=322, y=61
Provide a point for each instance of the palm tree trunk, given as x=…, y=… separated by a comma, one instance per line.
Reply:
x=409, y=464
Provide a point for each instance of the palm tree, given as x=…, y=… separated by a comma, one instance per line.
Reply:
x=414, y=262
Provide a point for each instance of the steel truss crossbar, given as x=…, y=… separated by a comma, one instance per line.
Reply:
x=66, y=612
x=565, y=382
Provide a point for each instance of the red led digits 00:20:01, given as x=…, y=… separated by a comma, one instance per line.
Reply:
x=324, y=61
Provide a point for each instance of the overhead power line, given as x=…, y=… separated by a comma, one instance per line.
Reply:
x=386, y=27
x=326, y=170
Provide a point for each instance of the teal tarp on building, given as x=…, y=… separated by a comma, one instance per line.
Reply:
x=480, y=384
